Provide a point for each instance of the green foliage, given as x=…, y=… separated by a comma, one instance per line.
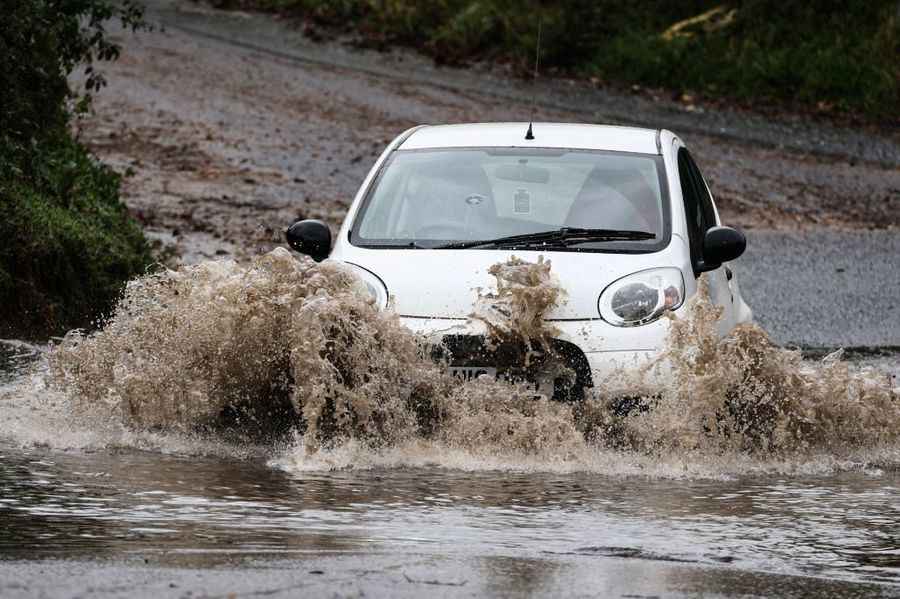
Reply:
x=68, y=243
x=42, y=42
x=844, y=53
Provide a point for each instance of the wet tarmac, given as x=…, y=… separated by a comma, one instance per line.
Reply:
x=130, y=523
x=414, y=575
x=825, y=288
x=593, y=103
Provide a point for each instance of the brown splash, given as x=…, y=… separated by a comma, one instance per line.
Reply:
x=286, y=339
x=743, y=393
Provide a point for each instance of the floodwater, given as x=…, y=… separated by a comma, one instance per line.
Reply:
x=619, y=533
x=188, y=510
x=104, y=477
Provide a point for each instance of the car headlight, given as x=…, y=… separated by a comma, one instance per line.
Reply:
x=641, y=297
x=371, y=285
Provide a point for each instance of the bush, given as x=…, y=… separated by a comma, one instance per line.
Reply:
x=68, y=242
x=840, y=53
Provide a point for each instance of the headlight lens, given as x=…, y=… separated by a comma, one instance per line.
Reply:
x=371, y=285
x=642, y=297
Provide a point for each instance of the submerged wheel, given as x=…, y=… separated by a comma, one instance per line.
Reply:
x=567, y=391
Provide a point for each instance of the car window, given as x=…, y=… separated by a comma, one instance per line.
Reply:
x=708, y=213
x=698, y=206
x=449, y=195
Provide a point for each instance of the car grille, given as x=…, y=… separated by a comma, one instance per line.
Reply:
x=518, y=361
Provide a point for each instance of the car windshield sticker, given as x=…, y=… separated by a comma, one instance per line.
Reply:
x=522, y=202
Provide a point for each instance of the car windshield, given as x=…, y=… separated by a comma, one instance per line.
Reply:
x=444, y=197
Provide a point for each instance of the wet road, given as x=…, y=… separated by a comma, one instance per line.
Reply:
x=140, y=524
x=825, y=289
x=413, y=575
x=266, y=35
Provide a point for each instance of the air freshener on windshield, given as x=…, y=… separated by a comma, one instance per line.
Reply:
x=522, y=202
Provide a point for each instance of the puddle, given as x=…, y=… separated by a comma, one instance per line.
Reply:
x=190, y=511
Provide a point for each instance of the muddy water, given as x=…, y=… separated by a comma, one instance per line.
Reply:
x=754, y=463
x=410, y=517
x=174, y=510
x=285, y=345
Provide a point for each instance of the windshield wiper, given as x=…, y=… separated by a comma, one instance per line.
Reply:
x=564, y=237
x=407, y=245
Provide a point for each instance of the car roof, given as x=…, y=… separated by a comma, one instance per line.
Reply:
x=546, y=135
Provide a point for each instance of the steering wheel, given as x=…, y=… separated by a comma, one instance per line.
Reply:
x=451, y=229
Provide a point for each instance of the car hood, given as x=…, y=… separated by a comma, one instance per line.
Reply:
x=446, y=283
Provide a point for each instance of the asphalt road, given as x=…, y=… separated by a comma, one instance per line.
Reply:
x=824, y=289
x=412, y=575
x=259, y=33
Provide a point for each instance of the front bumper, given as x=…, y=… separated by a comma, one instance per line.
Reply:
x=618, y=361
x=628, y=372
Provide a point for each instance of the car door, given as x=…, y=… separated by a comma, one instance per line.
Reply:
x=700, y=214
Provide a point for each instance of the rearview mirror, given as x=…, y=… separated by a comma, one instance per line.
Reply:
x=522, y=173
x=310, y=237
x=721, y=244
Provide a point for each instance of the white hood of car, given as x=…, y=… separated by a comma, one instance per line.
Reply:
x=446, y=283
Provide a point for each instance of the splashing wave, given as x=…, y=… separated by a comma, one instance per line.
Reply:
x=286, y=349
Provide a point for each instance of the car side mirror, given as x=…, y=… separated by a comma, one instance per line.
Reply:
x=310, y=237
x=721, y=244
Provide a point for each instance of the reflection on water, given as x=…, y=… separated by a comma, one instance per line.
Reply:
x=193, y=511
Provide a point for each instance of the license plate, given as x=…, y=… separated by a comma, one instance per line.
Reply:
x=469, y=373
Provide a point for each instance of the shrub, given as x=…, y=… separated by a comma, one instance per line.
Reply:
x=68, y=242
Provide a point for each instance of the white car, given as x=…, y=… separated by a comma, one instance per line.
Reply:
x=623, y=214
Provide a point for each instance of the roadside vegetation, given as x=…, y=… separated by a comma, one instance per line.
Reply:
x=67, y=243
x=828, y=55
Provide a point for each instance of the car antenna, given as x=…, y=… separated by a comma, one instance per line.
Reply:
x=537, y=61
